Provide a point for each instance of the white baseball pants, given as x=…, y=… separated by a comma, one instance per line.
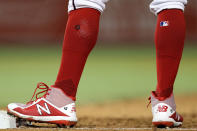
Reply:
x=156, y=5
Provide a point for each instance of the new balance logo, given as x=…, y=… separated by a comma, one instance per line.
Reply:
x=162, y=108
x=45, y=109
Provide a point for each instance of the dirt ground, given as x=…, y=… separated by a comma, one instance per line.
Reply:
x=133, y=113
x=128, y=114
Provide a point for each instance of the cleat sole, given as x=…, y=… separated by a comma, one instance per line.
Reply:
x=28, y=121
x=164, y=124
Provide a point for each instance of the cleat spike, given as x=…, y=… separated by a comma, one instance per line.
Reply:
x=29, y=123
x=161, y=126
x=72, y=126
x=61, y=125
x=21, y=122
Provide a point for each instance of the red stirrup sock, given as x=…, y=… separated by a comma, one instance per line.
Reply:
x=80, y=37
x=169, y=41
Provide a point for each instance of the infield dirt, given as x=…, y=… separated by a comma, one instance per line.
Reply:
x=126, y=114
x=133, y=113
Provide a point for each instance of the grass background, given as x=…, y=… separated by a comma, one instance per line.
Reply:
x=110, y=73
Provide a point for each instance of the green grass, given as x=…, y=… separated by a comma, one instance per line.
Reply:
x=110, y=73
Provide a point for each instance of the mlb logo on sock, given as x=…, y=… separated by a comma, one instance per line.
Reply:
x=164, y=23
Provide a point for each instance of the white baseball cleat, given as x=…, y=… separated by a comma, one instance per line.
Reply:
x=164, y=112
x=54, y=107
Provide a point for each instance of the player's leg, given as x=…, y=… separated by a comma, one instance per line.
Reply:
x=80, y=37
x=58, y=104
x=169, y=42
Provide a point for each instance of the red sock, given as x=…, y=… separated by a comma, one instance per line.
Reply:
x=80, y=37
x=169, y=41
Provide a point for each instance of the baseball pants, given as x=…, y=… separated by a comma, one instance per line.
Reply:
x=155, y=6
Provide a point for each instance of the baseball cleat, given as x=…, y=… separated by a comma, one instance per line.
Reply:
x=164, y=112
x=54, y=107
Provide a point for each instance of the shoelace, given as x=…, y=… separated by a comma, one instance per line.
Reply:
x=149, y=102
x=43, y=87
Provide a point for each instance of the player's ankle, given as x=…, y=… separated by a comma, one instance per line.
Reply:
x=58, y=97
x=67, y=87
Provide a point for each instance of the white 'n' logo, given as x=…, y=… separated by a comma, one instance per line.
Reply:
x=46, y=109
